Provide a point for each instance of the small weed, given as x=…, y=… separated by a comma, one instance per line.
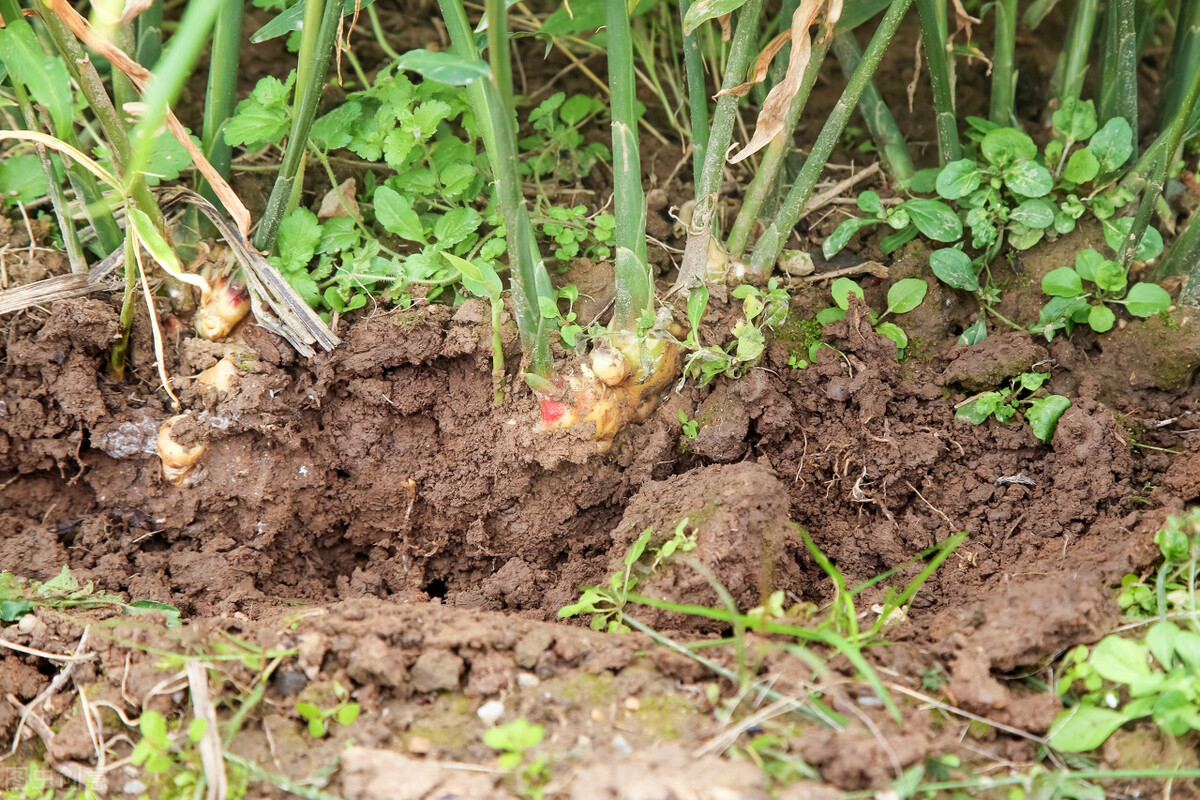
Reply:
x=39, y=786
x=19, y=597
x=760, y=310
x=1072, y=304
x=1157, y=676
x=173, y=762
x=690, y=427
x=1041, y=412
x=1008, y=193
x=515, y=740
x=903, y=296
x=318, y=718
x=605, y=604
x=557, y=148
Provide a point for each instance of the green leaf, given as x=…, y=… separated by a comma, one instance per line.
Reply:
x=456, y=225
x=1043, y=414
x=906, y=294
x=1032, y=381
x=1113, y=144
x=338, y=234
x=264, y=116
x=1034, y=213
x=395, y=213
x=704, y=10
x=979, y=409
x=299, y=236
x=515, y=737
x=697, y=303
x=974, y=334
x=1121, y=660
x=153, y=726
x=308, y=711
x=1084, y=727
x=577, y=108
x=868, y=201
x=958, y=179
x=347, y=714
x=1062, y=282
x=1076, y=119
x=1146, y=299
x=1006, y=145
x=1028, y=178
x=828, y=315
x=292, y=20
x=954, y=268
x=316, y=728
x=841, y=290
x=1082, y=166
x=196, y=729
x=843, y=233
x=44, y=75
x=1161, y=639
x=935, y=220
x=1101, y=319
x=171, y=613
x=1187, y=645
x=1111, y=276
x=582, y=16
x=13, y=610
x=894, y=332
x=22, y=179
x=479, y=278
x=1087, y=262
x=444, y=67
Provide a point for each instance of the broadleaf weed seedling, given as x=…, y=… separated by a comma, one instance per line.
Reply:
x=515, y=740
x=63, y=592
x=1072, y=304
x=317, y=718
x=1041, y=412
x=1156, y=676
x=761, y=310
x=903, y=296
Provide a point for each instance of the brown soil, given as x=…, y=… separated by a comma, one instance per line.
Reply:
x=373, y=517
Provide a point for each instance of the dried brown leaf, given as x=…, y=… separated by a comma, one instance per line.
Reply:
x=140, y=77
x=779, y=100
x=726, y=26
x=761, y=65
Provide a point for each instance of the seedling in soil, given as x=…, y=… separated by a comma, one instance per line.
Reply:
x=690, y=427
x=1073, y=304
x=761, y=310
x=344, y=713
x=515, y=740
x=63, y=592
x=605, y=604
x=1041, y=412
x=903, y=296
x=1157, y=676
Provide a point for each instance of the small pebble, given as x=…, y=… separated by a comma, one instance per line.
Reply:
x=632, y=704
x=527, y=680
x=620, y=745
x=420, y=746
x=134, y=787
x=490, y=711
x=31, y=625
x=597, y=715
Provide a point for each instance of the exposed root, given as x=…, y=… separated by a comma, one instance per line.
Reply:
x=583, y=397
